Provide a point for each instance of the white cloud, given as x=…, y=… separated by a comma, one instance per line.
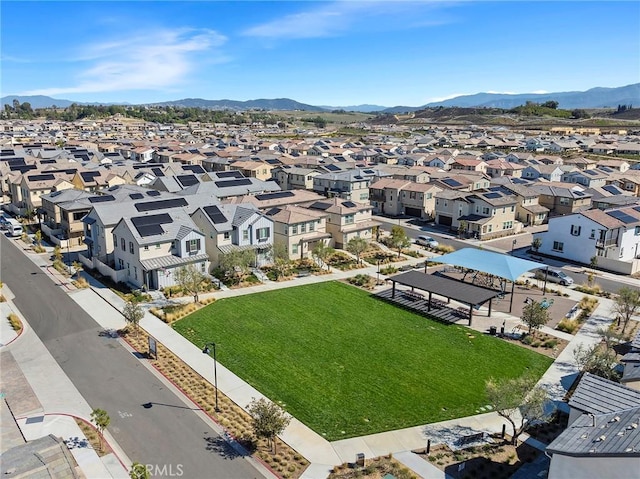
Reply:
x=332, y=19
x=157, y=60
x=443, y=98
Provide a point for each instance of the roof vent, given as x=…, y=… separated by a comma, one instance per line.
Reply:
x=601, y=438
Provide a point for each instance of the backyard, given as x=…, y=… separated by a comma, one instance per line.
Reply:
x=347, y=364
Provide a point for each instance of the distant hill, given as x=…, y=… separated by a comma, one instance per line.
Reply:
x=594, y=98
x=36, y=101
x=366, y=108
x=262, y=104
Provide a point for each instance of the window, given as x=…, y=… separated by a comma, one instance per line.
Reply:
x=135, y=272
x=575, y=230
x=294, y=249
x=245, y=235
x=146, y=247
x=485, y=211
x=593, y=233
x=294, y=230
x=78, y=216
x=429, y=196
x=303, y=227
x=123, y=244
x=157, y=245
x=312, y=226
x=513, y=208
x=564, y=201
x=507, y=225
x=131, y=247
x=412, y=195
x=348, y=219
x=203, y=267
x=262, y=234
x=120, y=263
x=115, y=240
x=193, y=246
x=226, y=235
x=558, y=246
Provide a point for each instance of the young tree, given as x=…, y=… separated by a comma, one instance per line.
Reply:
x=321, y=251
x=399, y=239
x=190, y=279
x=236, y=264
x=462, y=228
x=77, y=266
x=597, y=359
x=139, y=471
x=281, y=260
x=133, y=314
x=356, y=246
x=519, y=401
x=269, y=419
x=535, y=316
x=101, y=420
x=625, y=305
x=37, y=237
x=536, y=244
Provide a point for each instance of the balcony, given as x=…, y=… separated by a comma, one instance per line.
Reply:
x=608, y=243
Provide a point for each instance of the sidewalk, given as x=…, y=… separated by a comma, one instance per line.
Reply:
x=44, y=401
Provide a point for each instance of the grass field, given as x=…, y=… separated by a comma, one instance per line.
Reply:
x=347, y=364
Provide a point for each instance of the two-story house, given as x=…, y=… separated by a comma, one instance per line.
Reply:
x=294, y=177
x=528, y=210
x=613, y=236
x=350, y=185
x=299, y=229
x=590, y=178
x=561, y=199
x=346, y=219
x=149, y=248
x=229, y=228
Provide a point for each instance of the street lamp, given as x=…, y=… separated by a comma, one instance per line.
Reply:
x=206, y=350
x=513, y=244
x=69, y=254
x=378, y=280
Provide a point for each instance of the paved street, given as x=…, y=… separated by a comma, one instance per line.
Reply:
x=169, y=434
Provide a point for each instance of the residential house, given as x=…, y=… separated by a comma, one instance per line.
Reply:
x=398, y=197
x=528, y=210
x=603, y=434
x=613, y=236
x=228, y=228
x=62, y=212
x=539, y=170
x=631, y=361
x=500, y=167
x=150, y=247
x=293, y=177
x=469, y=164
x=260, y=170
x=346, y=219
x=351, y=185
x=628, y=181
x=589, y=178
x=615, y=164
x=299, y=229
x=581, y=163
x=561, y=199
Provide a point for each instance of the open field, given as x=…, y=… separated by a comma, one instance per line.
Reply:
x=348, y=364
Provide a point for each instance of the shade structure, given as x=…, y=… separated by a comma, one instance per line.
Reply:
x=497, y=264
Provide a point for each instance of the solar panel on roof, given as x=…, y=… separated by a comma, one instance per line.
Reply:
x=45, y=177
x=24, y=168
x=274, y=162
x=332, y=168
x=214, y=213
x=229, y=183
x=275, y=195
x=7, y=153
x=149, y=230
x=369, y=172
x=159, y=219
x=349, y=204
x=637, y=208
x=591, y=172
x=578, y=193
x=319, y=205
x=612, y=189
x=157, y=171
x=101, y=199
x=161, y=204
x=273, y=211
x=136, y=196
x=451, y=182
x=16, y=161
x=187, y=180
x=229, y=174
x=194, y=169
x=89, y=176
x=492, y=196
x=47, y=162
x=54, y=194
x=622, y=216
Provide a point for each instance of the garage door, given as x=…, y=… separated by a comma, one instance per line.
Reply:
x=445, y=220
x=417, y=212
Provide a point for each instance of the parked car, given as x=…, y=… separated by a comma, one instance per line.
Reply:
x=426, y=241
x=4, y=220
x=554, y=276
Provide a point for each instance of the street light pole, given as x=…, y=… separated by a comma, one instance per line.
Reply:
x=206, y=350
x=69, y=254
x=513, y=245
x=378, y=280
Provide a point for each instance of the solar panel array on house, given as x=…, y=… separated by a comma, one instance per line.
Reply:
x=161, y=204
x=214, y=213
x=151, y=225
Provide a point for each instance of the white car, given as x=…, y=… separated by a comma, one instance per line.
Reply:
x=427, y=241
x=554, y=276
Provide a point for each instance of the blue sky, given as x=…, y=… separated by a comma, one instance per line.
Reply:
x=334, y=53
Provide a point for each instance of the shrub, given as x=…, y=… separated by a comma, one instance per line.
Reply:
x=15, y=322
x=550, y=343
x=443, y=248
x=568, y=325
x=388, y=270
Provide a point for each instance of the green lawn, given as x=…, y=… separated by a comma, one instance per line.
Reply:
x=347, y=364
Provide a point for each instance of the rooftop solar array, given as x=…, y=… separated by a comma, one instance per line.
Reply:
x=451, y=182
x=48, y=162
x=275, y=195
x=349, y=204
x=591, y=172
x=622, y=216
x=44, y=177
x=319, y=205
x=23, y=168
x=229, y=183
x=194, y=168
x=151, y=225
x=101, y=199
x=332, y=168
x=153, y=193
x=492, y=196
x=612, y=189
x=89, y=176
x=161, y=204
x=578, y=193
x=187, y=180
x=229, y=174
x=637, y=208
x=157, y=171
x=136, y=196
x=274, y=211
x=214, y=213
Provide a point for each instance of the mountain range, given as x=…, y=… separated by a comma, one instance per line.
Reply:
x=594, y=98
